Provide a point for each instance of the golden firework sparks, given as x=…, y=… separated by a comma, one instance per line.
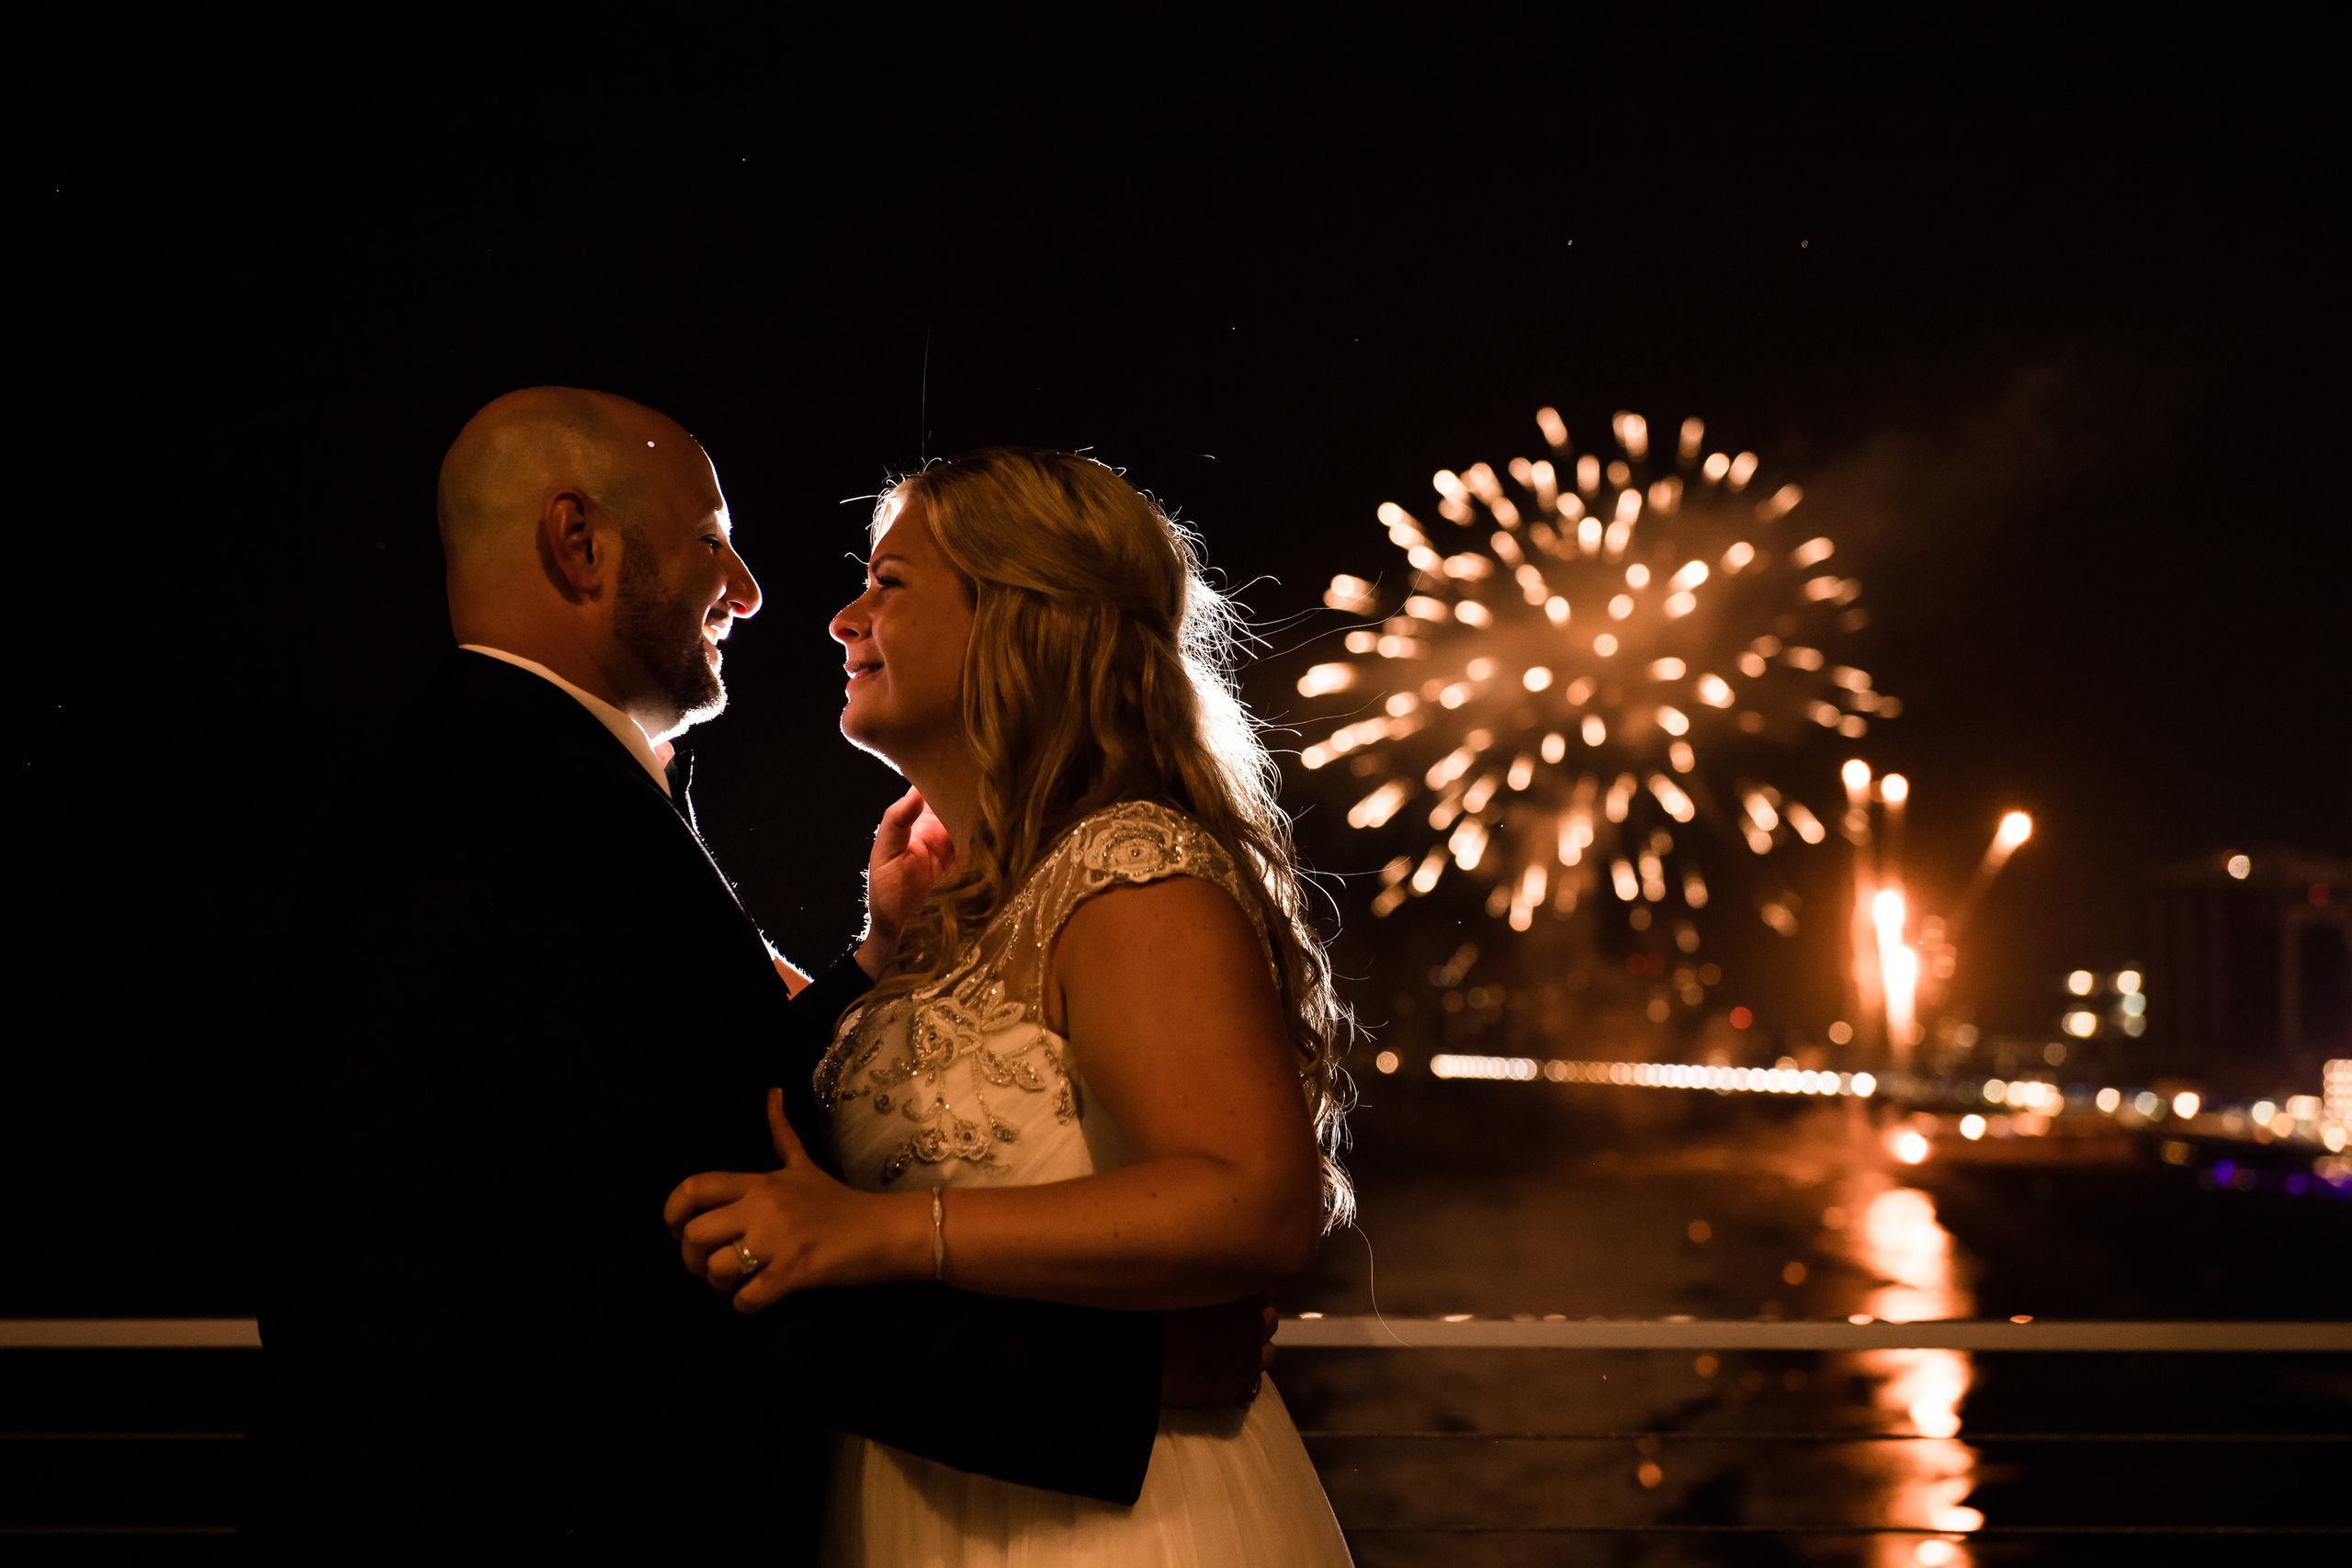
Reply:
x=1593, y=666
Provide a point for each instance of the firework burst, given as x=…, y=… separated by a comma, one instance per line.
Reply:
x=1593, y=672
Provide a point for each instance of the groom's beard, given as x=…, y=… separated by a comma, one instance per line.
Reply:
x=666, y=636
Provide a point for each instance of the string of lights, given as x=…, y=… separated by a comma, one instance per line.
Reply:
x=1657, y=1074
x=2025, y=1107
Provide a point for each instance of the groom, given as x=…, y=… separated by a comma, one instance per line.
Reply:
x=537, y=1005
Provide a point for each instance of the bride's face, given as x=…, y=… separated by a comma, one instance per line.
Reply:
x=904, y=640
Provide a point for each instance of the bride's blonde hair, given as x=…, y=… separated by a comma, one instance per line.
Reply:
x=1100, y=670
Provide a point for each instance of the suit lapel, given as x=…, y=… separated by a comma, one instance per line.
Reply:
x=541, y=703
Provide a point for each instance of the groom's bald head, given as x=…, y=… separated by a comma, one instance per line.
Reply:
x=588, y=533
x=528, y=444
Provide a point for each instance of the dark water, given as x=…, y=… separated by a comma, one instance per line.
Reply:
x=1504, y=1200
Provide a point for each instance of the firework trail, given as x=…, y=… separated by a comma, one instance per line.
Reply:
x=1590, y=675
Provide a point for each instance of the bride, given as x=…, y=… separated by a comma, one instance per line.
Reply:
x=1100, y=1068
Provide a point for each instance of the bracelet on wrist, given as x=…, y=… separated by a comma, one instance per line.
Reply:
x=939, y=1235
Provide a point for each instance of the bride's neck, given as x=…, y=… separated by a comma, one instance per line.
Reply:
x=950, y=783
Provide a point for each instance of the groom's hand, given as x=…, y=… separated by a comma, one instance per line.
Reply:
x=1217, y=1355
x=806, y=1229
x=911, y=851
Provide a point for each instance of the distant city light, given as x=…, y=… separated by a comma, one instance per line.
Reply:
x=1385, y=1061
x=1841, y=1032
x=2081, y=1024
x=2015, y=830
x=2335, y=1089
x=2240, y=867
x=2146, y=1105
x=1909, y=1146
x=2185, y=1103
x=1972, y=1127
x=2109, y=1099
x=2127, y=981
x=2080, y=982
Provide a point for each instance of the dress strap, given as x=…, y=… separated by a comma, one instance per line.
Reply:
x=1130, y=844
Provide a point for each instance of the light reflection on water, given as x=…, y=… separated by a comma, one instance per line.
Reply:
x=1805, y=1218
x=1899, y=1242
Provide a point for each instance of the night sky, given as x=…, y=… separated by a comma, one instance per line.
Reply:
x=2050, y=331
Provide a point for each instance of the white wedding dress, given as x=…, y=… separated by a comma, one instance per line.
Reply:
x=963, y=1086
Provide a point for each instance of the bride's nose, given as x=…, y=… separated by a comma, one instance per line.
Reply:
x=848, y=624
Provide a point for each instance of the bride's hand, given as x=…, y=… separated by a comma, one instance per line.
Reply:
x=806, y=1229
x=911, y=851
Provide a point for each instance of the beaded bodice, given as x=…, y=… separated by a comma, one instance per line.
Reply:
x=964, y=1077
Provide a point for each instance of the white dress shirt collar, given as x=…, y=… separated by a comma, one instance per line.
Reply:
x=625, y=728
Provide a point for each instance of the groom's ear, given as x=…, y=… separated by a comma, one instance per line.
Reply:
x=575, y=550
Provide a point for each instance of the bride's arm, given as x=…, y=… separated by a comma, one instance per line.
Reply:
x=1164, y=994
x=1166, y=1004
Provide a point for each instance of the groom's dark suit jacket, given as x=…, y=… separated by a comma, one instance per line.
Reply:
x=532, y=1004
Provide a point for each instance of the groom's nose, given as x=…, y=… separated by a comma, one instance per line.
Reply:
x=743, y=588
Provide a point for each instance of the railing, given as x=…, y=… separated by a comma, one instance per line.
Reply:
x=1321, y=1332
x=204, y=1443
x=130, y=1333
